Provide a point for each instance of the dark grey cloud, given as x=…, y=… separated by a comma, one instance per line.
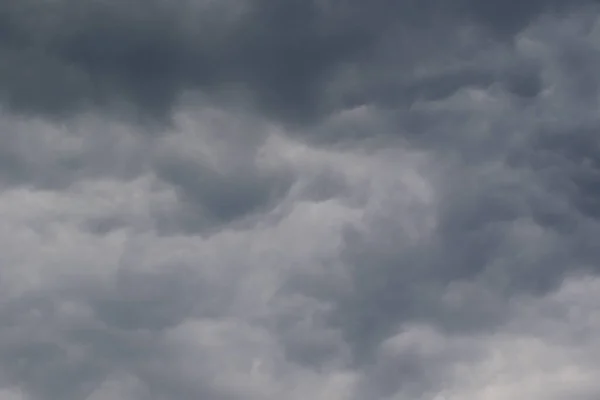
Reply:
x=338, y=200
x=213, y=197
x=149, y=53
x=66, y=56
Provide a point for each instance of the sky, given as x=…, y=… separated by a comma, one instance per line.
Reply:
x=299, y=199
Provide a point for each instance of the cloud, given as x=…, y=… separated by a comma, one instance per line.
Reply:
x=66, y=56
x=337, y=200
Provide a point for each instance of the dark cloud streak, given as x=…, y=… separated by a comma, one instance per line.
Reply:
x=64, y=56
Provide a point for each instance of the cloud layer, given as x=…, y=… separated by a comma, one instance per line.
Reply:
x=337, y=200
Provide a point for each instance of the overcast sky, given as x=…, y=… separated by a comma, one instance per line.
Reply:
x=299, y=199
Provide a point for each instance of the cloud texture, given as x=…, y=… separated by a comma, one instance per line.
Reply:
x=323, y=199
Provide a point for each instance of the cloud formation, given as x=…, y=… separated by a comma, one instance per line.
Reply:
x=326, y=199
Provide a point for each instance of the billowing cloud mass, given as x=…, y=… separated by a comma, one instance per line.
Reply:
x=299, y=199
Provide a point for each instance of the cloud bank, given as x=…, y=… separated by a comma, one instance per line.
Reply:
x=326, y=199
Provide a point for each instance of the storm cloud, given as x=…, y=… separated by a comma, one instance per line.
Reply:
x=328, y=199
